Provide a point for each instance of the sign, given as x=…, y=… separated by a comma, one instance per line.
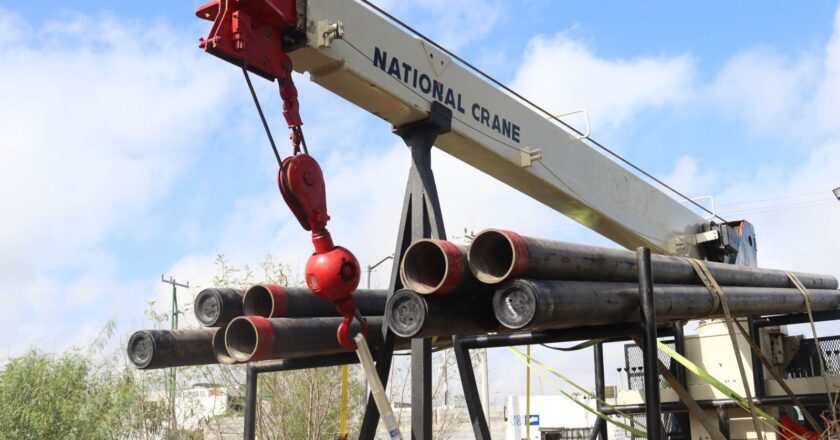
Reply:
x=519, y=420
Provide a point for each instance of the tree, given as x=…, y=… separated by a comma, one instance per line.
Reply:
x=72, y=396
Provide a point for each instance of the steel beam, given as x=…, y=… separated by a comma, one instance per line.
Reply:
x=600, y=428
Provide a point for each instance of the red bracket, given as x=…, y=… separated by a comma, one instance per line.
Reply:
x=249, y=33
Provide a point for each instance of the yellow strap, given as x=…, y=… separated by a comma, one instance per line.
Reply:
x=633, y=430
x=807, y=295
x=570, y=382
x=528, y=395
x=729, y=392
x=342, y=421
x=707, y=278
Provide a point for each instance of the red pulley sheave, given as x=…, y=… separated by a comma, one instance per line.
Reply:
x=332, y=272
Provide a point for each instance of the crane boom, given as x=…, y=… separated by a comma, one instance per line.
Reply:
x=359, y=55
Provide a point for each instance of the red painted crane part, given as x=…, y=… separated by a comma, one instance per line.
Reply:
x=249, y=33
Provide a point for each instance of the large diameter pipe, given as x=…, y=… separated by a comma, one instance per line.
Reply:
x=254, y=338
x=151, y=349
x=538, y=305
x=216, y=307
x=411, y=315
x=275, y=301
x=436, y=267
x=497, y=255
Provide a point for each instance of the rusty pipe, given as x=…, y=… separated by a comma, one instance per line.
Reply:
x=254, y=338
x=436, y=267
x=215, y=307
x=151, y=349
x=411, y=315
x=497, y=255
x=543, y=305
x=275, y=301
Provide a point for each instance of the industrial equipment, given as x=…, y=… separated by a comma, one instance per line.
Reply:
x=560, y=291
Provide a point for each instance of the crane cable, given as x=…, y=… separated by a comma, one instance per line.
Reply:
x=535, y=106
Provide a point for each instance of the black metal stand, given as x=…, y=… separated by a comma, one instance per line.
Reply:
x=600, y=428
x=421, y=218
x=471, y=397
x=653, y=415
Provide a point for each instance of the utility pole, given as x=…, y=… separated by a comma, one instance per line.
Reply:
x=175, y=313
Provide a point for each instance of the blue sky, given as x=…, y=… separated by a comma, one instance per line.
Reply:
x=129, y=153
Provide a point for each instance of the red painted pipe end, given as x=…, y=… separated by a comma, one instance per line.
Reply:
x=249, y=338
x=266, y=300
x=433, y=267
x=497, y=255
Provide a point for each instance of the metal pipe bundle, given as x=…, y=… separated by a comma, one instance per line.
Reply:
x=411, y=315
x=275, y=301
x=539, y=305
x=150, y=349
x=254, y=338
x=215, y=307
x=497, y=255
x=436, y=267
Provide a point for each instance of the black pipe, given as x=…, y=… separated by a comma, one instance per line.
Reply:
x=797, y=318
x=250, y=418
x=254, y=338
x=600, y=390
x=598, y=430
x=151, y=349
x=550, y=336
x=275, y=301
x=216, y=307
x=411, y=315
x=528, y=304
x=653, y=414
x=497, y=255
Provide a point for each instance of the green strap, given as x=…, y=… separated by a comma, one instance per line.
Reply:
x=633, y=430
x=720, y=386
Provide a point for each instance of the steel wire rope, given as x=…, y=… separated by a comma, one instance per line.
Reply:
x=535, y=106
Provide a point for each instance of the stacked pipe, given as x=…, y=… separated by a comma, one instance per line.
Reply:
x=537, y=284
x=267, y=321
x=441, y=296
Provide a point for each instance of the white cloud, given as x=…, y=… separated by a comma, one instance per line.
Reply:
x=774, y=94
x=453, y=24
x=561, y=74
x=96, y=128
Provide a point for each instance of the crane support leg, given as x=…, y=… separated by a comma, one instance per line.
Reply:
x=421, y=218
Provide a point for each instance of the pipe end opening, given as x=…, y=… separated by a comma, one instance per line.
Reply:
x=424, y=268
x=258, y=301
x=241, y=339
x=220, y=349
x=491, y=257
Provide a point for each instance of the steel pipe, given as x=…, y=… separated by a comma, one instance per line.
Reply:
x=215, y=307
x=534, y=305
x=151, y=349
x=411, y=315
x=254, y=338
x=275, y=301
x=497, y=255
x=220, y=349
x=436, y=267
